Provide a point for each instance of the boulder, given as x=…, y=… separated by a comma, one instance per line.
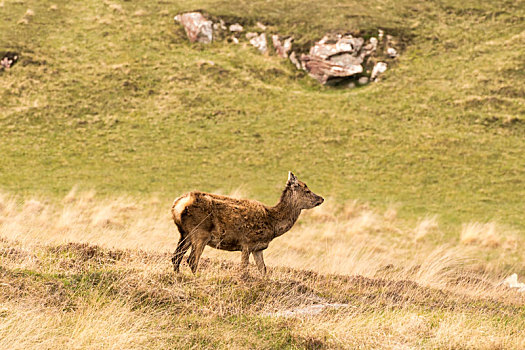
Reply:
x=259, y=41
x=323, y=70
x=197, y=27
x=332, y=58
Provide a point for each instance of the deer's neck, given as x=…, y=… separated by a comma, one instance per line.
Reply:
x=284, y=214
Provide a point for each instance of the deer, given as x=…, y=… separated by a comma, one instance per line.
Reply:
x=222, y=222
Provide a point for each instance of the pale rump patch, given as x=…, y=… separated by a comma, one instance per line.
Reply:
x=180, y=204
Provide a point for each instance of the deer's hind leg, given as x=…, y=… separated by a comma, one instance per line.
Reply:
x=245, y=258
x=258, y=256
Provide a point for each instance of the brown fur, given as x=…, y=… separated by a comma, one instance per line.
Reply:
x=236, y=224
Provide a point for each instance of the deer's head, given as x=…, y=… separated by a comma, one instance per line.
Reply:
x=300, y=194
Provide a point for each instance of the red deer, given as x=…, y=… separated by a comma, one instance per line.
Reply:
x=236, y=224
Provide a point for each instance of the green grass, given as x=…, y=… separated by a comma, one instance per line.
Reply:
x=123, y=103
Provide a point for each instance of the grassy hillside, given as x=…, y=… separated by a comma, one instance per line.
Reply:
x=84, y=296
x=424, y=175
x=111, y=96
x=94, y=274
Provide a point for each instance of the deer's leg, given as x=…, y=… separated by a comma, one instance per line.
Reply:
x=258, y=256
x=197, y=247
x=245, y=258
x=182, y=247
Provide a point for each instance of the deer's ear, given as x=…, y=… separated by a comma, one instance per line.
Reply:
x=292, y=179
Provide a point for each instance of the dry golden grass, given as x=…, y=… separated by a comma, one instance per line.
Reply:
x=94, y=272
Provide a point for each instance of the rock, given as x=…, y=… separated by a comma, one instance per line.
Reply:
x=295, y=61
x=379, y=68
x=219, y=26
x=324, y=70
x=251, y=35
x=197, y=27
x=391, y=52
x=261, y=26
x=363, y=81
x=333, y=58
x=369, y=49
x=8, y=60
x=282, y=48
x=346, y=59
x=236, y=28
x=380, y=34
x=512, y=282
x=234, y=39
x=260, y=43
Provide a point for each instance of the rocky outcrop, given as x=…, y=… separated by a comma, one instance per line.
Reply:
x=336, y=58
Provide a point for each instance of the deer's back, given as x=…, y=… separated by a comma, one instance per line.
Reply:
x=231, y=222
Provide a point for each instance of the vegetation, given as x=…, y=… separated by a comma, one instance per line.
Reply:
x=111, y=96
x=424, y=169
x=92, y=274
x=77, y=296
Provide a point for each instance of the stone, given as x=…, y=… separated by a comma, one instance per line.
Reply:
x=324, y=70
x=8, y=60
x=391, y=52
x=282, y=48
x=379, y=68
x=295, y=61
x=260, y=43
x=236, y=28
x=512, y=282
x=197, y=27
x=380, y=34
x=334, y=58
x=346, y=59
x=363, y=81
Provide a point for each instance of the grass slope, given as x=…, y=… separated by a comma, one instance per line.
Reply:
x=83, y=296
x=112, y=96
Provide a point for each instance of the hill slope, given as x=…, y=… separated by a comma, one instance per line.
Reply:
x=80, y=295
x=112, y=96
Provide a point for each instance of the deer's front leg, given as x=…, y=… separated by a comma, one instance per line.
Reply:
x=258, y=256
